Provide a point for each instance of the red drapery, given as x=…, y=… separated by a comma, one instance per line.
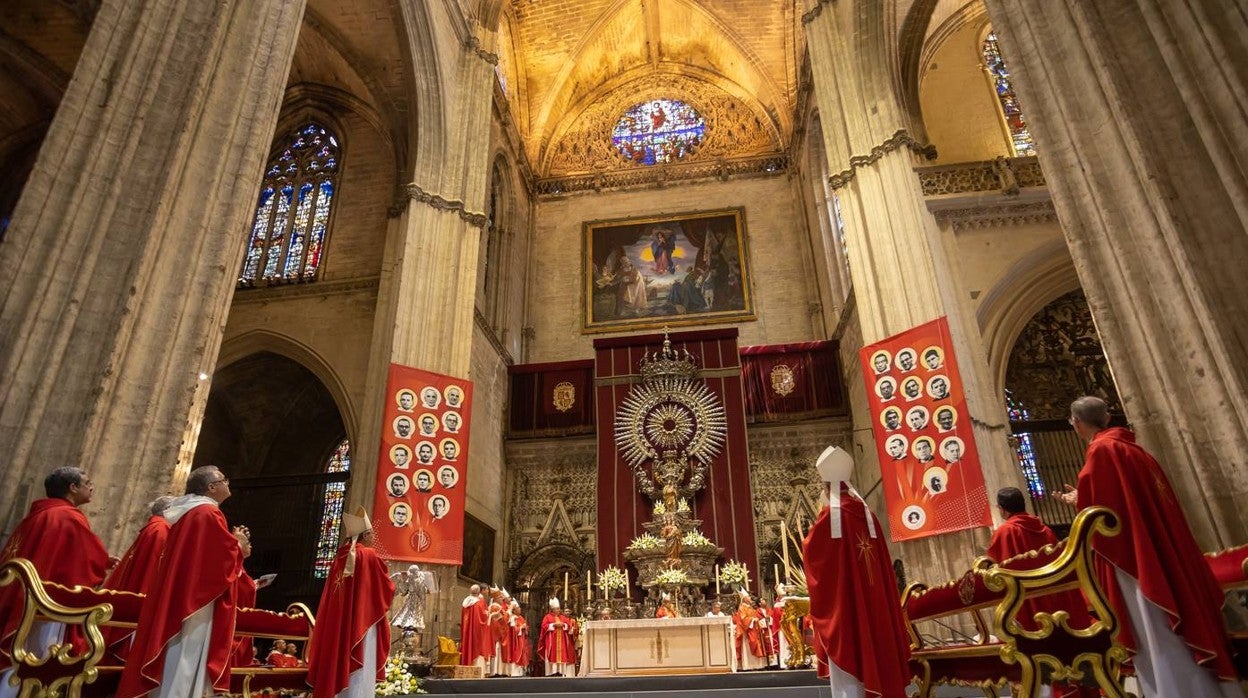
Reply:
x=540, y=396
x=725, y=506
x=792, y=381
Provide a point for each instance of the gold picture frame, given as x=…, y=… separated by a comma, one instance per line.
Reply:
x=678, y=269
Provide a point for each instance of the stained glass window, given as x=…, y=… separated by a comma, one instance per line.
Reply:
x=331, y=514
x=292, y=215
x=658, y=131
x=999, y=74
x=1023, y=447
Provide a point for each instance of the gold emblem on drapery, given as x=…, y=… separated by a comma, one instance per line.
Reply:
x=563, y=396
x=782, y=379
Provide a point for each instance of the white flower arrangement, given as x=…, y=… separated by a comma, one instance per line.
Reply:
x=734, y=573
x=682, y=506
x=660, y=508
x=671, y=577
x=695, y=539
x=399, y=681
x=611, y=578
x=646, y=541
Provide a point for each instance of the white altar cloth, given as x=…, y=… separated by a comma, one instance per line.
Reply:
x=651, y=646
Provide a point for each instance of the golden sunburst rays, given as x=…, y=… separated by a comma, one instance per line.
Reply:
x=671, y=414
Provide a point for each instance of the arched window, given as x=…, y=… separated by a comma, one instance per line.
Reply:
x=999, y=75
x=1024, y=448
x=491, y=267
x=331, y=510
x=289, y=231
x=828, y=213
x=658, y=131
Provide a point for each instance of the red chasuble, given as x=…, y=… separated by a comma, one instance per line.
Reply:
x=521, y=649
x=1023, y=532
x=244, y=652
x=854, y=602
x=1155, y=547
x=350, y=606
x=133, y=573
x=500, y=632
x=475, y=639
x=748, y=633
x=199, y=568
x=557, y=646
x=57, y=539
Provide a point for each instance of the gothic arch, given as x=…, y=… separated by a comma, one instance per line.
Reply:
x=1023, y=290
x=247, y=344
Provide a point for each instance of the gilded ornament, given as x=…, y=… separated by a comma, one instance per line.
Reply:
x=563, y=396
x=782, y=380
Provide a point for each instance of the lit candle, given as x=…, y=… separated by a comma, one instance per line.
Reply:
x=775, y=571
x=717, y=580
x=784, y=545
x=589, y=586
x=627, y=591
x=565, y=586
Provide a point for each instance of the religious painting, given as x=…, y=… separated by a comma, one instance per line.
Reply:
x=682, y=269
x=478, y=551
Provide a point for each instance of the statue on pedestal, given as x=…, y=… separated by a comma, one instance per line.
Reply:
x=414, y=585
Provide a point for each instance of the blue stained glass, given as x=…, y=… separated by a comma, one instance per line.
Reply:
x=287, y=237
x=658, y=131
x=1020, y=135
x=331, y=511
x=1023, y=448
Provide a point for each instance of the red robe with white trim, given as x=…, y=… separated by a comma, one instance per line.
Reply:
x=557, y=646
x=1156, y=547
x=199, y=568
x=748, y=633
x=57, y=539
x=854, y=603
x=133, y=573
x=349, y=607
x=521, y=647
x=475, y=639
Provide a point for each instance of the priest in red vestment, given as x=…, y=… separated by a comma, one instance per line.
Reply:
x=1021, y=532
x=1154, y=573
x=182, y=646
x=57, y=539
x=521, y=646
x=351, y=639
x=476, y=644
x=854, y=603
x=749, y=635
x=666, y=609
x=245, y=588
x=500, y=633
x=137, y=566
x=556, y=643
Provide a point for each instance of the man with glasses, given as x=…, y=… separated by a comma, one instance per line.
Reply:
x=1159, y=584
x=186, y=628
x=57, y=539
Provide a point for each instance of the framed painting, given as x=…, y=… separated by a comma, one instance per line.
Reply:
x=478, y=551
x=680, y=269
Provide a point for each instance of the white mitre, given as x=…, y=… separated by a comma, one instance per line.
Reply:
x=835, y=466
x=353, y=526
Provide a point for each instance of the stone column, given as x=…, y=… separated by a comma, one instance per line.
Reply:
x=901, y=272
x=427, y=292
x=1139, y=109
x=123, y=251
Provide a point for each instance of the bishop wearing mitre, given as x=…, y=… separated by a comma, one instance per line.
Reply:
x=352, y=635
x=853, y=593
x=556, y=643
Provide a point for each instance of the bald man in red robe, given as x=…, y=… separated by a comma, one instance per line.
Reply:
x=352, y=636
x=476, y=644
x=854, y=603
x=1156, y=578
x=182, y=646
x=57, y=539
x=136, y=568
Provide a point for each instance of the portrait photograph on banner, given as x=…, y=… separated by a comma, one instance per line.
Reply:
x=929, y=464
x=418, y=509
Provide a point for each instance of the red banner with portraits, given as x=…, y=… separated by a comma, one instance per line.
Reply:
x=928, y=461
x=418, y=504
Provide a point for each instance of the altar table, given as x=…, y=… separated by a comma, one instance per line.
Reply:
x=657, y=646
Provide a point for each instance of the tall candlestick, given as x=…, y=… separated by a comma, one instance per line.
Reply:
x=628, y=592
x=784, y=546
x=775, y=570
x=717, y=580
x=565, y=586
x=589, y=586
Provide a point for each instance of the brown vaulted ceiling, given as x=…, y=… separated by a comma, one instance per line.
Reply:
x=576, y=57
